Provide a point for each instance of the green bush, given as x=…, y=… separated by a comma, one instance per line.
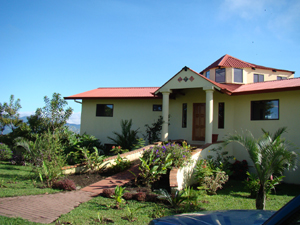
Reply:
x=158, y=159
x=45, y=154
x=210, y=178
x=5, y=152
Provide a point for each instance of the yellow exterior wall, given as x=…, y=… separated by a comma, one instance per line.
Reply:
x=139, y=110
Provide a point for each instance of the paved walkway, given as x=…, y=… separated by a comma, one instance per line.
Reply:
x=49, y=207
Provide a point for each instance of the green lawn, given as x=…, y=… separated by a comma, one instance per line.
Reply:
x=18, y=181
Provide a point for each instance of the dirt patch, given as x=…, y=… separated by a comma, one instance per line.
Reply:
x=86, y=179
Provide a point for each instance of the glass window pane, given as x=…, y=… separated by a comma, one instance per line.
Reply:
x=207, y=74
x=265, y=110
x=104, y=110
x=255, y=78
x=220, y=75
x=184, y=114
x=157, y=107
x=238, y=75
x=221, y=117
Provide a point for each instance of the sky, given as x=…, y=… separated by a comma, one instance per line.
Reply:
x=73, y=46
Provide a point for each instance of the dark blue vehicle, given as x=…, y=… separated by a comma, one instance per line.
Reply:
x=289, y=214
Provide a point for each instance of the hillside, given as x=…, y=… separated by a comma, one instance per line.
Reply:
x=73, y=127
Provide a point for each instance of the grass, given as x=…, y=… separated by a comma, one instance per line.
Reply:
x=232, y=196
x=19, y=180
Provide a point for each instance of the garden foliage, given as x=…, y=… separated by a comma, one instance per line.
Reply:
x=5, y=152
x=157, y=160
x=127, y=138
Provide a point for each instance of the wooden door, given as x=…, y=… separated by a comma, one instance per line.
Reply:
x=199, y=122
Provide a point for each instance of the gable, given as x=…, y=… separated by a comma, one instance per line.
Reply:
x=187, y=78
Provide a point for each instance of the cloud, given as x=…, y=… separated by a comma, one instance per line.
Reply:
x=245, y=9
x=75, y=118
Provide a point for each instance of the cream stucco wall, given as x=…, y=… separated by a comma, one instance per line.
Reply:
x=139, y=110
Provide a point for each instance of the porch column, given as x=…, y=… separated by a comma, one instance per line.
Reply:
x=209, y=114
x=165, y=115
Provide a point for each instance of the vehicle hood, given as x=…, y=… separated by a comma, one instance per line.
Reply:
x=227, y=217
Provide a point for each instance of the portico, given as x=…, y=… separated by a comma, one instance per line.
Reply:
x=188, y=79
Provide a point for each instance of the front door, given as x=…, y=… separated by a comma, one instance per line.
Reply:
x=199, y=122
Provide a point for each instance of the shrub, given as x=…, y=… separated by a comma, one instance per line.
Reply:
x=65, y=184
x=239, y=170
x=151, y=197
x=128, y=196
x=121, y=164
x=222, y=160
x=128, y=138
x=141, y=196
x=5, y=152
x=46, y=154
x=107, y=192
x=158, y=159
x=252, y=184
x=210, y=179
x=214, y=182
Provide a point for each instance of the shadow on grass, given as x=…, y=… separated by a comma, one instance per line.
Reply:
x=9, y=168
x=17, y=177
x=236, y=188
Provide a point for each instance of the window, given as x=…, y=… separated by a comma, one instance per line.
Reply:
x=220, y=75
x=281, y=78
x=238, y=75
x=258, y=78
x=265, y=110
x=104, y=110
x=184, y=114
x=157, y=107
x=221, y=115
x=207, y=74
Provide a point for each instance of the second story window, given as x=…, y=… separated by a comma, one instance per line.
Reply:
x=281, y=78
x=207, y=74
x=238, y=75
x=258, y=78
x=220, y=75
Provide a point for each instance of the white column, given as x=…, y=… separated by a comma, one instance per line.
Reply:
x=209, y=114
x=165, y=114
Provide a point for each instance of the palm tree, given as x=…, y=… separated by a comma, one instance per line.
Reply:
x=128, y=137
x=269, y=154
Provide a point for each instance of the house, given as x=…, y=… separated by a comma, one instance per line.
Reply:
x=229, y=95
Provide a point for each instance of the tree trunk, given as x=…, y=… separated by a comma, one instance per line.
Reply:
x=261, y=198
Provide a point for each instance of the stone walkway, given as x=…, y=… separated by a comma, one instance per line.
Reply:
x=49, y=207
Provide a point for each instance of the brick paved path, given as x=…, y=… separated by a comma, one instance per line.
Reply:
x=49, y=207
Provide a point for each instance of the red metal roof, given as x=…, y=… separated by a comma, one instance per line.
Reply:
x=130, y=92
x=263, y=87
x=232, y=62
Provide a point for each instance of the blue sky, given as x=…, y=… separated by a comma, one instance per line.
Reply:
x=74, y=46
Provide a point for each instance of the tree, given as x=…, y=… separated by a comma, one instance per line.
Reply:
x=269, y=154
x=9, y=115
x=52, y=116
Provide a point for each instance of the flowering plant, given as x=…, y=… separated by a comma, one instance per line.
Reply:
x=158, y=159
